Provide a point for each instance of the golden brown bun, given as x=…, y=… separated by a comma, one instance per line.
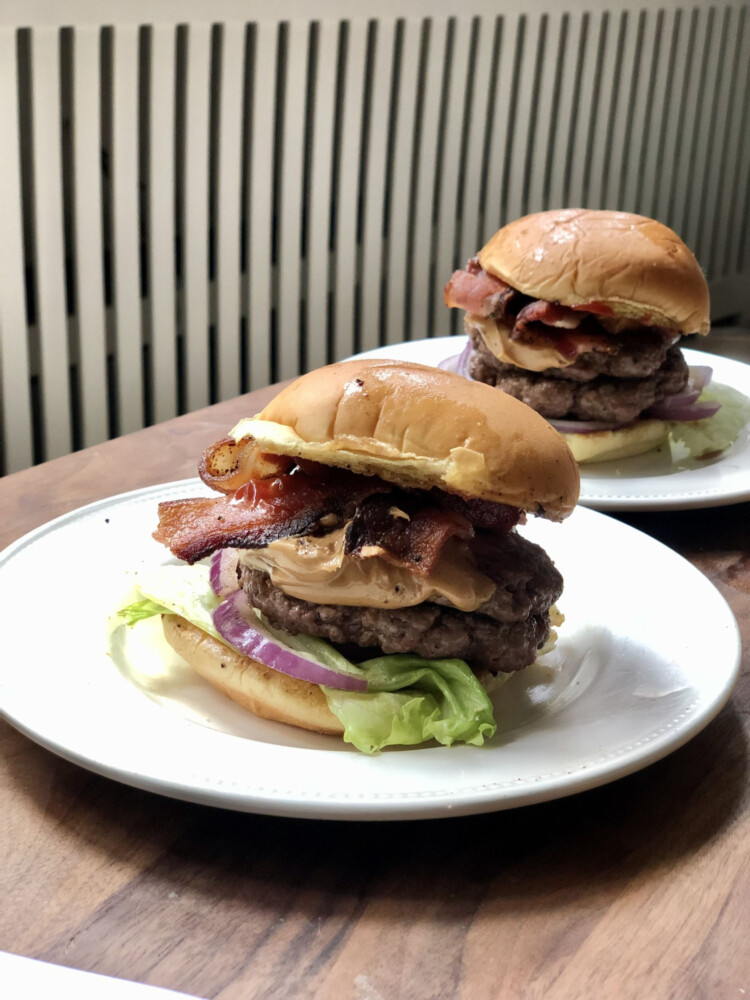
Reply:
x=265, y=692
x=635, y=266
x=605, y=446
x=421, y=427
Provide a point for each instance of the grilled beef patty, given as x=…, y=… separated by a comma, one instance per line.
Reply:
x=503, y=635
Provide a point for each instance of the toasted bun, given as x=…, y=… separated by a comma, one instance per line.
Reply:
x=421, y=427
x=604, y=446
x=262, y=691
x=636, y=268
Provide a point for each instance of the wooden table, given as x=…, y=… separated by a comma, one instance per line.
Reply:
x=640, y=889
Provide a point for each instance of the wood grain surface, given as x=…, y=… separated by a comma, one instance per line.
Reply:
x=639, y=889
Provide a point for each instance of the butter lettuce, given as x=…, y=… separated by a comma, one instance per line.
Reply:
x=410, y=700
x=704, y=438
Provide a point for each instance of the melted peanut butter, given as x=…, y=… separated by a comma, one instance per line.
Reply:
x=318, y=570
x=531, y=357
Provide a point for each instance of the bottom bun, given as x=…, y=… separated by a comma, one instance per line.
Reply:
x=262, y=691
x=604, y=446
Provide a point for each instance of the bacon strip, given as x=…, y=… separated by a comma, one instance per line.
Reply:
x=260, y=512
x=413, y=541
x=477, y=292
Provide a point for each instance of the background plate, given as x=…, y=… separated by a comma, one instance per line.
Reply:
x=633, y=677
x=646, y=482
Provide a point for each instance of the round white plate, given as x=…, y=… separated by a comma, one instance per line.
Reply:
x=648, y=655
x=647, y=482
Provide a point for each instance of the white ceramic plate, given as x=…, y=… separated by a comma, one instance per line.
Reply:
x=647, y=482
x=647, y=656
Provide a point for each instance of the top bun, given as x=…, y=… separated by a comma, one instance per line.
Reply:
x=634, y=267
x=421, y=427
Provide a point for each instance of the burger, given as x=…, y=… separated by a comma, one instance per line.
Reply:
x=579, y=314
x=357, y=568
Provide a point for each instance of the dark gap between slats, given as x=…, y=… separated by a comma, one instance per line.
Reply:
x=106, y=64
x=594, y=116
x=740, y=208
x=485, y=179
x=630, y=113
x=671, y=219
x=67, y=132
x=541, y=49
x=416, y=153
x=180, y=154
x=667, y=111
x=469, y=95
x=571, y=137
x=214, y=114
x=341, y=61
x=550, y=161
x=246, y=222
x=398, y=50
x=145, y=55
x=364, y=146
x=313, y=50
x=512, y=109
x=26, y=140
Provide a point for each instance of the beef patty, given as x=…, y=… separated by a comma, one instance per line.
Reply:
x=580, y=391
x=503, y=635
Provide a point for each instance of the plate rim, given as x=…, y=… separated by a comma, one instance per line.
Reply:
x=466, y=800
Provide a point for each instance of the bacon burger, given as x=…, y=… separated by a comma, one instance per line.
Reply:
x=578, y=313
x=364, y=529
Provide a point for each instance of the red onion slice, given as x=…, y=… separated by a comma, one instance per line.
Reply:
x=223, y=572
x=236, y=622
x=687, y=411
x=700, y=376
x=458, y=363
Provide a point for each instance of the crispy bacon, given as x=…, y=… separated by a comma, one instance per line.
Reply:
x=260, y=511
x=477, y=292
x=226, y=465
x=538, y=323
x=498, y=518
x=403, y=532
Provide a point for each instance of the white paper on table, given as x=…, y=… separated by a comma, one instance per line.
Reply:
x=24, y=978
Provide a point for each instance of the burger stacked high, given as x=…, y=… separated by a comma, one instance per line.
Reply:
x=578, y=313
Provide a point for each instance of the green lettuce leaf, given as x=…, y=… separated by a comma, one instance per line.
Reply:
x=713, y=435
x=410, y=700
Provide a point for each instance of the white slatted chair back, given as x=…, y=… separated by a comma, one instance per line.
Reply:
x=190, y=210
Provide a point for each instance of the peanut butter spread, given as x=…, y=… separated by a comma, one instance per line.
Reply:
x=532, y=357
x=318, y=570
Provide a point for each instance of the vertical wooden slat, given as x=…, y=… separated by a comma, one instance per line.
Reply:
x=583, y=139
x=727, y=235
x=400, y=193
x=89, y=272
x=320, y=193
x=545, y=117
x=693, y=98
x=15, y=397
x=608, y=35
x=197, y=130
x=347, y=195
x=228, y=204
x=425, y=180
x=162, y=290
x=289, y=232
x=716, y=140
x=661, y=111
x=50, y=249
x=125, y=228
x=676, y=90
x=523, y=114
x=628, y=29
x=375, y=193
x=449, y=189
x=565, y=117
x=259, y=202
x=640, y=136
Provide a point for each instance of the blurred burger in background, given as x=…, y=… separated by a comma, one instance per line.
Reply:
x=579, y=314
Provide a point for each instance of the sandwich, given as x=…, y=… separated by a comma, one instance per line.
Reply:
x=356, y=569
x=579, y=314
